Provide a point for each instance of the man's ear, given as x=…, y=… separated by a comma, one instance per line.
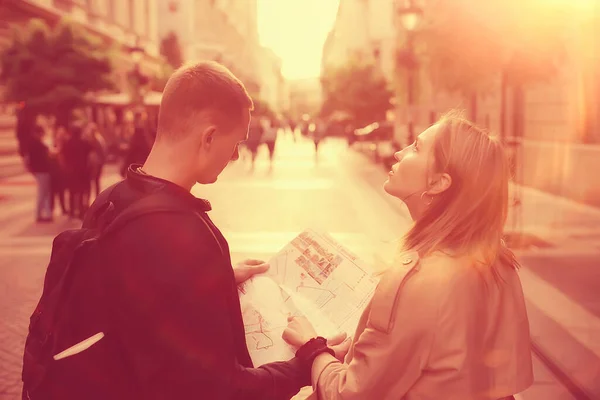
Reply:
x=207, y=137
x=440, y=183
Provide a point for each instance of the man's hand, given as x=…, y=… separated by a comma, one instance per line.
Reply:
x=247, y=269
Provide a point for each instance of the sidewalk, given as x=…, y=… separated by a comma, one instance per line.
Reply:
x=565, y=333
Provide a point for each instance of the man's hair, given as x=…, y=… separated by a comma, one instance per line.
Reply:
x=200, y=87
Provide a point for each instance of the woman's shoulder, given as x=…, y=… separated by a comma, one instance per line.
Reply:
x=426, y=281
x=438, y=267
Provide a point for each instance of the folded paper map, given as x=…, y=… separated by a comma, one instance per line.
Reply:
x=313, y=276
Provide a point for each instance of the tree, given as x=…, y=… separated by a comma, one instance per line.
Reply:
x=461, y=49
x=467, y=46
x=51, y=72
x=357, y=89
x=171, y=50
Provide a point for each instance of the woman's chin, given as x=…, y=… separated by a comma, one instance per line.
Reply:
x=389, y=189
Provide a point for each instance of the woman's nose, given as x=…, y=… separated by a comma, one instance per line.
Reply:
x=397, y=155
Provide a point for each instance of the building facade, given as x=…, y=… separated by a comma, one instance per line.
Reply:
x=305, y=97
x=124, y=23
x=273, y=86
x=364, y=29
x=221, y=30
x=556, y=123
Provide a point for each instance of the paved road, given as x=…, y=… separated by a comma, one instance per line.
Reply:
x=257, y=211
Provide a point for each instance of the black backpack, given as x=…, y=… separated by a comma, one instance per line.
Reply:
x=68, y=256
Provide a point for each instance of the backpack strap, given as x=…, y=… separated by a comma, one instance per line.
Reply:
x=151, y=204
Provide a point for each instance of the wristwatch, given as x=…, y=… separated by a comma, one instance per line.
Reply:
x=311, y=349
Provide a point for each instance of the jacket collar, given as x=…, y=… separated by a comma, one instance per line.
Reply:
x=149, y=184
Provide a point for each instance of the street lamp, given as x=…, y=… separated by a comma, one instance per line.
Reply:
x=410, y=14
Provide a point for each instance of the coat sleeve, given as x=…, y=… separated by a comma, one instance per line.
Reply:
x=393, y=349
x=172, y=312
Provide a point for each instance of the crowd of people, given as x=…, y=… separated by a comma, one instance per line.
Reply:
x=68, y=162
x=265, y=130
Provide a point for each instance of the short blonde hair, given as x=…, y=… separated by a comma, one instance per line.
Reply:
x=197, y=87
x=469, y=217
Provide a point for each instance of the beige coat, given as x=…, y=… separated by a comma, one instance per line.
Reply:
x=437, y=328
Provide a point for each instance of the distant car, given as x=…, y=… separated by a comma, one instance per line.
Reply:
x=377, y=140
x=337, y=129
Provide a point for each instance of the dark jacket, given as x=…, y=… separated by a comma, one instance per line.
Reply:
x=76, y=153
x=140, y=146
x=38, y=157
x=165, y=295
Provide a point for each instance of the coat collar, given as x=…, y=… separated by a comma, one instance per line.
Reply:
x=149, y=184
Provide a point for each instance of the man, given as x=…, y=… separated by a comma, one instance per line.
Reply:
x=40, y=165
x=162, y=305
x=76, y=156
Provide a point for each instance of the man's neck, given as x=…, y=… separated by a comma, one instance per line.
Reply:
x=163, y=165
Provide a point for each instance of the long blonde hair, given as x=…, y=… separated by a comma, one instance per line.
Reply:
x=468, y=217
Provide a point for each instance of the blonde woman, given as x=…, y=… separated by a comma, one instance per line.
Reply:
x=448, y=320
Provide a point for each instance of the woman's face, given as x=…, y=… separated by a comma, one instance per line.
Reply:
x=409, y=176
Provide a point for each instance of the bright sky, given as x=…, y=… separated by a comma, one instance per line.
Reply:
x=296, y=31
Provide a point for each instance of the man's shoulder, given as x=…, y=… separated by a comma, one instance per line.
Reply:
x=176, y=238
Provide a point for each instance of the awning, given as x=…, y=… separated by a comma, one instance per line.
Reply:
x=124, y=99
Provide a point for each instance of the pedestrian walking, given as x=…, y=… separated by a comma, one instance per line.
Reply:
x=255, y=132
x=58, y=178
x=97, y=156
x=269, y=138
x=317, y=132
x=139, y=144
x=76, y=155
x=39, y=164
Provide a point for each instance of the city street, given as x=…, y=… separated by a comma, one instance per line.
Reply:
x=259, y=211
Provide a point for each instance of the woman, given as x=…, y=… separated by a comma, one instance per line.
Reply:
x=448, y=321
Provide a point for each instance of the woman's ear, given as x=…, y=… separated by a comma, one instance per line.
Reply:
x=440, y=184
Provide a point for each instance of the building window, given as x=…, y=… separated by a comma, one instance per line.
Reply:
x=64, y=5
x=111, y=14
x=148, y=14
x=132, y=15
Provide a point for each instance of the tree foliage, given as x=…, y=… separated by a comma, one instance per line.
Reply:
x=170, y=49
x=466, y=44
x=358, y=90
x=51, y=71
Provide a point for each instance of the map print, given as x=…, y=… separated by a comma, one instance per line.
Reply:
x=313, y=276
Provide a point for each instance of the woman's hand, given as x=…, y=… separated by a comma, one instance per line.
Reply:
x=298, y=332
